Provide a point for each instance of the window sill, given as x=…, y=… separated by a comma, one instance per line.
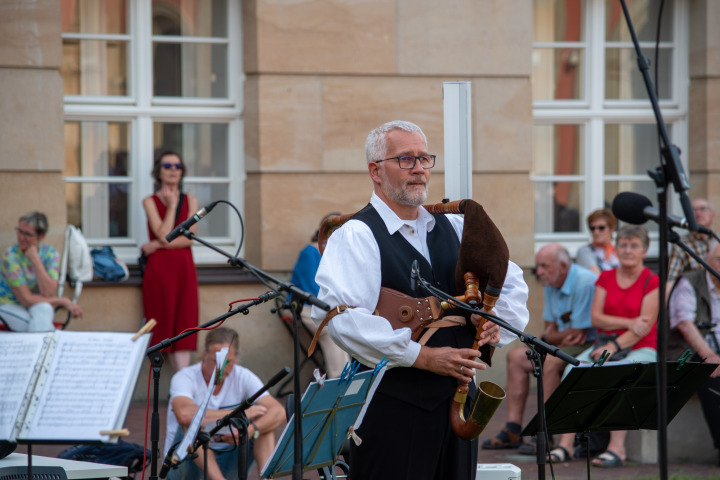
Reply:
x=207, y=275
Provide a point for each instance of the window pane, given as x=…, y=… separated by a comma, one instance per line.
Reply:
x=96, y=149
x=558, y=207
x=190, y=70
x=557, y=150
x=631, y=149
x=644, y=16
x=216, y=223
x=623, y=80
x=203, y=146
x=94, y=16
x=100, y=209
x=557, y=73
x=197, y=18
x=94, y=67
x=558, y=20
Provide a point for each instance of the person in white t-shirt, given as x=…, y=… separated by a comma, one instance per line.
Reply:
x=187, y=390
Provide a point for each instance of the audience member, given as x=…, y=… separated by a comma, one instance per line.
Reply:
x=694, y=322
x=599, y=254
x=29, y=280
x=236, y=384
x=624, y=311
x=680, y=261
x=303, y=276
x=406, y=431
x=170, y=289
x=568, y=294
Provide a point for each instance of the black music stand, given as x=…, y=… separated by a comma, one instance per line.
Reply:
x=618, y=397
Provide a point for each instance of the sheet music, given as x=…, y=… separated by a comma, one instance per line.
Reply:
x=192, y=431
x=19, y=364
x=88, y=385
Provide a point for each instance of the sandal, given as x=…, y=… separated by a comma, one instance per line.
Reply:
x=529, y=447
x=504, y=439
x=607, y=459
x=560, y=455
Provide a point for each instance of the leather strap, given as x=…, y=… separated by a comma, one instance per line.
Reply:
x=449, y=321
x=330, y=315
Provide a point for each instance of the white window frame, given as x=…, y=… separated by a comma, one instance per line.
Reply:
x=142, y=111
x=594, y=112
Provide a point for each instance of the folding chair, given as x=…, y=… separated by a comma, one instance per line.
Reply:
x=76, y=266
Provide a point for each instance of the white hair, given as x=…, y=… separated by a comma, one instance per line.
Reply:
x=375, y=145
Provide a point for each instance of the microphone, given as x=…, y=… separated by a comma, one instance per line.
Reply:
x=167, y=463
x=177, y=231
x=414, y=275
x=637, y=209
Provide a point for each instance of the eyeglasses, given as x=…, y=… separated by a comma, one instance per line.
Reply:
x=25, y=234
x=629, y=246
x=597, y=227
x=176, y=166
x=407, y=162
x=701, y=209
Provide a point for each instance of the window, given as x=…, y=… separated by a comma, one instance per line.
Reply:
x=595, y=134
x=140, y=76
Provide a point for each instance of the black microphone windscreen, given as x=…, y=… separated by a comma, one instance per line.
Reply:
x=629, y=207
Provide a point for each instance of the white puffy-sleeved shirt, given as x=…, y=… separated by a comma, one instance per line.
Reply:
x=349, y=274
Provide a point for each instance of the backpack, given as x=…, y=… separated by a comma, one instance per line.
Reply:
x=107, y=266
x=122, y=453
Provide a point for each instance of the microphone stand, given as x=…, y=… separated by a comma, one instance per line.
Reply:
x=539, y=350
x=673, y=237
x=155, y=357
x=240, y=421
x=301, y=295
x=672, y=170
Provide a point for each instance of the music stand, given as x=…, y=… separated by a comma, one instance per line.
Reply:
x=618, y=396
x=329, y=410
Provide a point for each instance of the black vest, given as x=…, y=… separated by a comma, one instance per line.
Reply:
x=420, y=387
x=703, y=314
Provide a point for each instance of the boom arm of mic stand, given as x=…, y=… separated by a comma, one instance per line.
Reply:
x=262, y=275
x=524, y=337
x=673, y=237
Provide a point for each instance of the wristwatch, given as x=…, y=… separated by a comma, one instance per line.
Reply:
x=256, y=433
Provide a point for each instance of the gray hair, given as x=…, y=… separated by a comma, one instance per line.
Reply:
x=375, y=145
x=634, y=231
x=37, y=220
x=221, y=336
x=563, y=256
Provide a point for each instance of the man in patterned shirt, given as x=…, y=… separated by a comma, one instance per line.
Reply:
x=29, y=279
x=679, y=261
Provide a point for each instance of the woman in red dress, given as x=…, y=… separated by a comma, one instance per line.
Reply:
x=170, y=290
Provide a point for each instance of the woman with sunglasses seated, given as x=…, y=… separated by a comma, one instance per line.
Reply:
x=170, y=290
x=600, y=254
x=29, y=279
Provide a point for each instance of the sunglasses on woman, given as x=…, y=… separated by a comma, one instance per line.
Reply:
x=176, y=166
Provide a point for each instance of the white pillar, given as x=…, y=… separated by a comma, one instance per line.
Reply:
x=457, y=116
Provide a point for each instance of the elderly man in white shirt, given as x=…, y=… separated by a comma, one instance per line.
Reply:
x=406, y=431
x=694, y=307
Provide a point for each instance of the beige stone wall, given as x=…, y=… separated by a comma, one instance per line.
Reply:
x=704, y=102
x=31, y=135
x=321, y=75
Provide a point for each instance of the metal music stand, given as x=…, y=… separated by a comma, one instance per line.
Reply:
x=328, y=412
x=618, y=396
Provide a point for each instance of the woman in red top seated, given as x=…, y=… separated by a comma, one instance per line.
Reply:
x=625, y=304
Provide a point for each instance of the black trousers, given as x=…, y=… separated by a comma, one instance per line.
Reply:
x=709, y=395
x=401, y=441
